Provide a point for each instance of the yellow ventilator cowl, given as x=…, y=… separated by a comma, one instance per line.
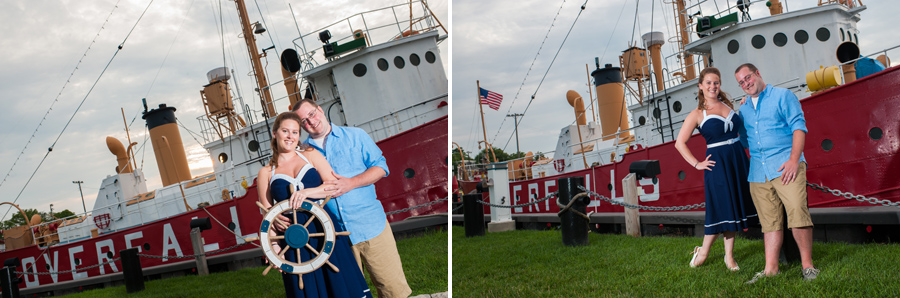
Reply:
x=823, y=78
x=577, y=102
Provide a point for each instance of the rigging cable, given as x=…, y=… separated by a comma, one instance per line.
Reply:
x=177, y=32
x=50, y=149
x=530, y=67
x=608, y=42
x=55, y=100
x=533, y=95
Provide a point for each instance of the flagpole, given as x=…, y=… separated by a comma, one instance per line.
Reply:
x=483, y=130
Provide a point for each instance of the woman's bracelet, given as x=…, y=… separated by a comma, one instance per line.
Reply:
x=695, y=165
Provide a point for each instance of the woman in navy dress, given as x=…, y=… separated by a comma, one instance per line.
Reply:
x=728, y=203
x=296, y=167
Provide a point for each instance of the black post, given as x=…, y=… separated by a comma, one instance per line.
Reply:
x=473, y=215
x=131, y=269
x=9, y=284
x=574, y=227
x=790, y=253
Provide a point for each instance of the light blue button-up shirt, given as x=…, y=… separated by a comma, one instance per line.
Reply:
x=350, y=152
x=768, y=131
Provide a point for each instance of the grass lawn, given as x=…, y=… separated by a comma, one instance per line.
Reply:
x=424, y=262
x=537, y=264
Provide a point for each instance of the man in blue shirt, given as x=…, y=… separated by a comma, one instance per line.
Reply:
x=775, y=133
x=358, y=164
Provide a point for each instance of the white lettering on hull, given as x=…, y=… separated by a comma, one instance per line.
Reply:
x=170, y=242
x=72, y=251
x=103, y=257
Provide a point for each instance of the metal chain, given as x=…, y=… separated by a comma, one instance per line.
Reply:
x=227, y=228
x=552, y=194
x=69, y=271
x=457, y=207
x=417, y=207
x=648, y=208
x=851, y=196
x=196, y=255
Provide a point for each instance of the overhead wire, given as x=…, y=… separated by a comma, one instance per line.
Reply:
x=533, y=95
x=50, y=149
x=530, y=67
x=171, y=45
x=56, y=99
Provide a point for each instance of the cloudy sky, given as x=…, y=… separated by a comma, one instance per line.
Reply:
x=496, y=41
x=165, y=60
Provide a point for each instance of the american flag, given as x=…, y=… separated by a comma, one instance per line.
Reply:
x=490, y=98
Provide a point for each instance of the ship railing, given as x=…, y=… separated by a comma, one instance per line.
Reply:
x=395, y=21
x=161, y=207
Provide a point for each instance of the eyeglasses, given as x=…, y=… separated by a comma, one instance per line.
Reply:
x=745, y=80
x=311, y=114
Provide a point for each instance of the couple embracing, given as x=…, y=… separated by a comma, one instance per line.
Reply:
x=741, y=190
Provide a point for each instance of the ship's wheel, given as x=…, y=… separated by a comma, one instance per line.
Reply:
x=297, y=237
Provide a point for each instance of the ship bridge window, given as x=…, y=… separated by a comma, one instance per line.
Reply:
x=414, y=59
x=780, y=39
x=875, y=133
x=657, y=113
x=223, y=157
x=382, y=64
x=758, y=41
x=399, y=62
x=359, y=70
x=733, y=46
x=801, y=36
x=253, y=145
x=642, y=120
x=676, y=106
x=823, y=34
x=430, y=57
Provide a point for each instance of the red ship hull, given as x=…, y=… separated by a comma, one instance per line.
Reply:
x=849, y=117
x=421, y=152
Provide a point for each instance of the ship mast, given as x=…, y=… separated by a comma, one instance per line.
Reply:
x=262, y=84
x=687, y=61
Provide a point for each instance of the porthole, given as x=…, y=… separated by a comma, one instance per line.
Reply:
x=430, y=57
x=823, y=34
x=801, y=37
x=146, y=247
x=223, y=157
x=253, y=145
x=609, y=186
x=414, y=59
x=399, y=62
x=642, y=120
x=382, y=64
x=842, y=35
x=409, y=173
x=676, y=106
x=758, y=41
x=780, y=39
x=827, y=145
x=109, y=254
x=733, y=46
x=657, y=113
x=681, y=175
x=875, y=133
x=359, y=70
x=46, y=266
x=231, y=226
x=77, y=262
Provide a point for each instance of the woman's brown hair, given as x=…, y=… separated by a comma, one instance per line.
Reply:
x=701, y=100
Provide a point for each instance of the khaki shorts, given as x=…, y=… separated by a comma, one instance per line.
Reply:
x=382, y=260
x=771, y=196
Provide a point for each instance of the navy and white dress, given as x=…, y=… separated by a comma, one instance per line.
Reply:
x=323, y=282
x=729, y=206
